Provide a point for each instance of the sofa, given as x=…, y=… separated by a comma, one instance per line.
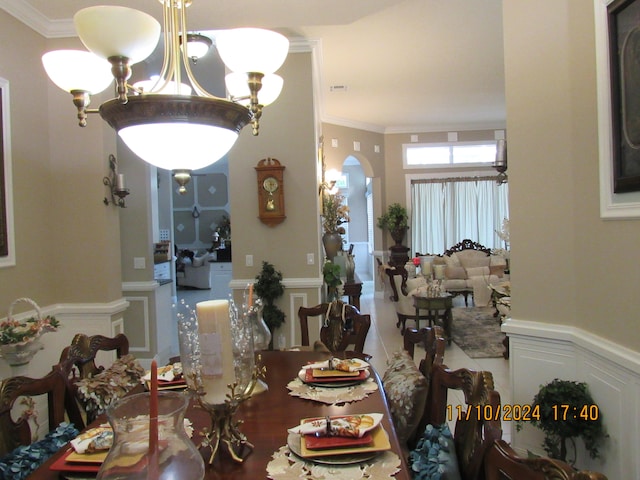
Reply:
x=194, y=271
x=466, y=268
x=469, y=268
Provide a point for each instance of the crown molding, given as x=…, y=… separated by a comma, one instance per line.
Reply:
x=35, y=20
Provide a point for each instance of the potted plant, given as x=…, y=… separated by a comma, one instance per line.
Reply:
x=331, y=276
x=564, y=410
x=269, y=288
x=334, y=214
x=19, y=339
x=395, y=221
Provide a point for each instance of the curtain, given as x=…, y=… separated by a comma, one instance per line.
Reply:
x=446, y=211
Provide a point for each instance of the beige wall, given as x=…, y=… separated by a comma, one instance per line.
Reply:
x=67, y=241
x=569, y=266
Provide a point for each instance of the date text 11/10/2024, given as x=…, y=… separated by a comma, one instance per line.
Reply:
x=521, y=413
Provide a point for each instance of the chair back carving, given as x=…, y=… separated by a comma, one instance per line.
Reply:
x=78, y=361
x=343, y=325
x=501, y=462
x=433, y=342
x=16, y=432
x=473, y=435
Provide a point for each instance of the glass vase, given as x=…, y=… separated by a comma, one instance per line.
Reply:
x=131, y=457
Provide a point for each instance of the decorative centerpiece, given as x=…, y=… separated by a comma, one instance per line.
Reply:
x=19, y=339
x=334, y=215
x=217, y=354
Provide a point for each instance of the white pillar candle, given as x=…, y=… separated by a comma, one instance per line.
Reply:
x=120, y=181
x=216, y=349
x=439, y=271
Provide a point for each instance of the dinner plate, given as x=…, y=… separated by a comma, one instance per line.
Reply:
x=344, y=455
x=333, y=383
x=294, y=442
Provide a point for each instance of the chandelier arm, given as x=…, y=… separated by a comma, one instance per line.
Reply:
x=199, y=89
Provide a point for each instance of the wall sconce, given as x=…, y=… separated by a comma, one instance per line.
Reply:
x=501, y=161
x=115, y=182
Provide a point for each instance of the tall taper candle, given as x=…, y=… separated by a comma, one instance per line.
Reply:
x=153, y=420
x=216, y=349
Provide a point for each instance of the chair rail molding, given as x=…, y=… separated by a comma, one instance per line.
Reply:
x=541, y=352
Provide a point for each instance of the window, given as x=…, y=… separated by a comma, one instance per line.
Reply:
x=449, y=154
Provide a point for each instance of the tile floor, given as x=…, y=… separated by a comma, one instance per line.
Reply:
x=384, y=338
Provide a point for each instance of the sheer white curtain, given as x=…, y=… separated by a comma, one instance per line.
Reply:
x=447, y=211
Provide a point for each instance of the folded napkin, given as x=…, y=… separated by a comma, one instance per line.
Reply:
x=93, y=440
x=347, y=365
x=166, y=373
x=343, y=426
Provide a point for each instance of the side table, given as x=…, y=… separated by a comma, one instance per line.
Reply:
x=438, y=308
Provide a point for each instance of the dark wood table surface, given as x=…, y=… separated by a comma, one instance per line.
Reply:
x=267, y=416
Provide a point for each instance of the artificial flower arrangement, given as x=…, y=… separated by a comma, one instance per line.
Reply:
x=15, y=332
x=334, y=213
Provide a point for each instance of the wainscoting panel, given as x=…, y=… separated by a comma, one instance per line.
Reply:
x=541, y=352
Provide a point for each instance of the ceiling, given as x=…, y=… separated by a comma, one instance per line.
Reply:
x=399, y=65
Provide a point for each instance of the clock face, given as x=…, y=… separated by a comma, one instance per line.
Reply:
x=270, y=184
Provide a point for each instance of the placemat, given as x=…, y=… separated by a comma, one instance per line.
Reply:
x=285, y=465
x=332, y=395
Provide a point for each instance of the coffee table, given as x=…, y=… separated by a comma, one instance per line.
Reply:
x=438, y=308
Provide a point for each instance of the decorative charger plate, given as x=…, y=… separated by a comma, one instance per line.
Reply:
x=332, y=382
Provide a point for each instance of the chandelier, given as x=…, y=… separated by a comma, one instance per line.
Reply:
x=165, y=121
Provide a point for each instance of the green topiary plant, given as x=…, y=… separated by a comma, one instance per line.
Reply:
x=565, y=410
x=331, y=276
x=269, y=287
x=395, y=221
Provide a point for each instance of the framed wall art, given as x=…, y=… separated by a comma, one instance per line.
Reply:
x=7, y=249
x=618, y=75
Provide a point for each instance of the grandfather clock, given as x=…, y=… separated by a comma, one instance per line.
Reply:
x=270, y=191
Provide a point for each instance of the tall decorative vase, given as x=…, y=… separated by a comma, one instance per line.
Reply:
x=332, y=243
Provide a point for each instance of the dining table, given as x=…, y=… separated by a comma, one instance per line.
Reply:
x=267, y=416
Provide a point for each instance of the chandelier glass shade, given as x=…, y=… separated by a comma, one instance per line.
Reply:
x=161, y=120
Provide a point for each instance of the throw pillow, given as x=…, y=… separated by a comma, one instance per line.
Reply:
x=98, y=392
x=198, y=261
x=455, y=273
x=477, y=272
x=434, y=457
x=452, y=260
x=406, y=391
x=497, y=270
x=19, y=463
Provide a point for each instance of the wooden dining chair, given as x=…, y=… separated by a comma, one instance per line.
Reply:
x=29, y=391
x=345, y=326
x=501, y=461
x=473, y=433
x=78, y=362
x=432, y=341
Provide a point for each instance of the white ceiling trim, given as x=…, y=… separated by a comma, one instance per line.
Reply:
x=37, y=21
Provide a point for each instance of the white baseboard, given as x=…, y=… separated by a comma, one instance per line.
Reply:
x=540, y=352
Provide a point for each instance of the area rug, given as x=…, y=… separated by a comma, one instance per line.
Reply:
x=477, y=332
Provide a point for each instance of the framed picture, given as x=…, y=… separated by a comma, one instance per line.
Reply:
x=619, y=159
x=7, y=253
x=624, y=55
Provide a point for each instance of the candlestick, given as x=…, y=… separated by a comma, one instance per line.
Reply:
x=153, y=420
x=216, y=349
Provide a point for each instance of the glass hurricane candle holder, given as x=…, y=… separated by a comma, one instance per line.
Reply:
x=224, y=372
